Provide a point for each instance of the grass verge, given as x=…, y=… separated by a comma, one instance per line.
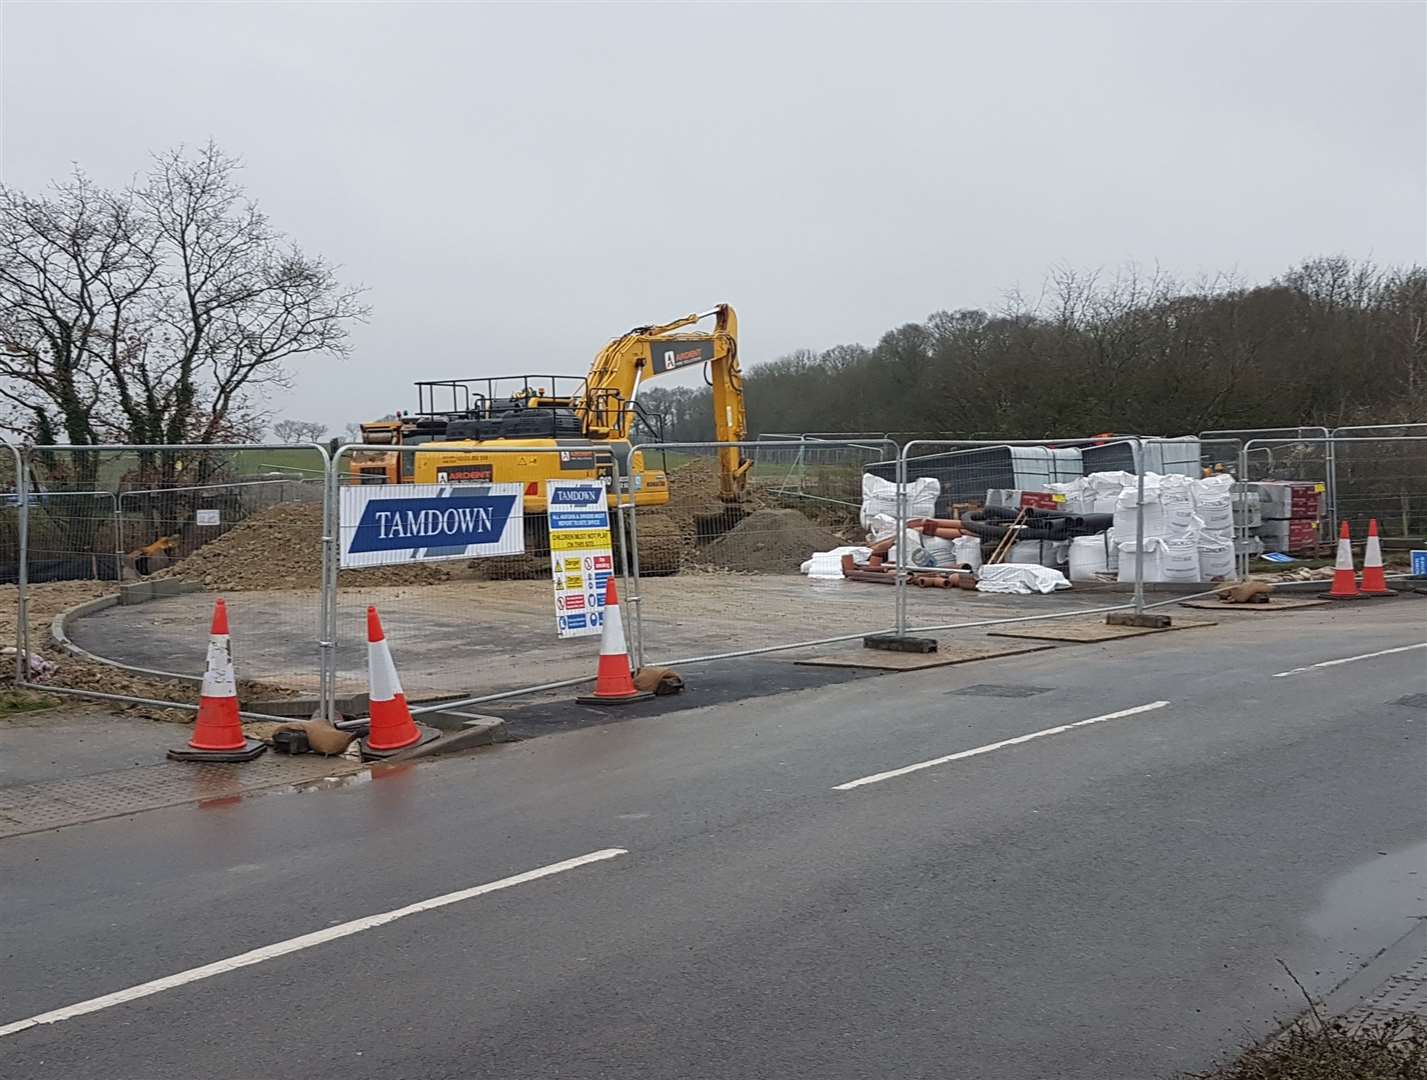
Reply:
x=1391, y=1048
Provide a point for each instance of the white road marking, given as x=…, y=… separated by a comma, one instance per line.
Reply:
x=1349, y=660
x=905, y=769
x=306, y=941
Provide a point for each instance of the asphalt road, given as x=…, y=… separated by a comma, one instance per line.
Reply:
x=1110, y=900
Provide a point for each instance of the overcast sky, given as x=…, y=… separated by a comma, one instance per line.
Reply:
x=518, y=183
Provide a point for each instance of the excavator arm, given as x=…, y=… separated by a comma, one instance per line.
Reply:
x=647, y=352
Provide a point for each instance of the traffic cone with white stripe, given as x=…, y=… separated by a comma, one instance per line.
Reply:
x=1374, y=577
x=392, y=728
x=1345, y=582
x=614, y=683
x=218, y=731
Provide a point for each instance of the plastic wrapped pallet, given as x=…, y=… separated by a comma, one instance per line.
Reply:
x=827, y=565
x=1021, y=578
x=1076, y=497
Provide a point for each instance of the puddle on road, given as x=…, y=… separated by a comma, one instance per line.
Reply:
x=1361, y=913
x=1379, y=898
x=340, y=782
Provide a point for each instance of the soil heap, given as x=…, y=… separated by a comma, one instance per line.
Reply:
x=281, y=548
x=770, y=542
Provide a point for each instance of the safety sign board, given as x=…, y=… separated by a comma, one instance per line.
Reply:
x=208, y=517
x=581, y=557
x=383, y=524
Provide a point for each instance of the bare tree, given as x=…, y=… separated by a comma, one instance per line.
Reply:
x=153, y=315
x=299, y=431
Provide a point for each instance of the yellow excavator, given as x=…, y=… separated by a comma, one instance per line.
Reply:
x=574, y=427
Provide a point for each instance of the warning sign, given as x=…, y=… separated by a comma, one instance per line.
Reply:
x=581, y=556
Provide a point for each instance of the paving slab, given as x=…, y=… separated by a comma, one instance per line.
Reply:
x=52, y=804
x=947, y=653
x=1278, y=603
x=1077, y=631
x=68, y=741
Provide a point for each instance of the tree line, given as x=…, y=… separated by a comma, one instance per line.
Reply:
x=1330, y=342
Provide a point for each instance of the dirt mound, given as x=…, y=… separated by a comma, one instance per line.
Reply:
x=694, y=506
x=281, y=548
x=661, y=545
x=770, y=542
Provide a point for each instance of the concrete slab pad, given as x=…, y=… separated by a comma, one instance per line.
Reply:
x=1278, y=603
x=948, y=653
x=1084, y=631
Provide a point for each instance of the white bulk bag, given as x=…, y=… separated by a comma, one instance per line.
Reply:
x=1179, y=559
x=966, y=551
x=1217, y=515
x=879, y=500
x=1153, y=571
x=1125, y=513
x=1039, y=553
x=1216, y=559
x=1089, y=557
x=923, y=550
x=1212, y=488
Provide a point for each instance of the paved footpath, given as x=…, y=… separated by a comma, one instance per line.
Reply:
x=1087, y=862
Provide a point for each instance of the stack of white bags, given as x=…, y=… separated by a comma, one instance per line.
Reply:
x=1188, y=526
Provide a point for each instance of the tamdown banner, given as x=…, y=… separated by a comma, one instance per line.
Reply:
x=581, y=556
x=383, y=524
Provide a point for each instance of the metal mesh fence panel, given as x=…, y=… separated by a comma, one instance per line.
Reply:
x=1371, y=478
x=731, y=541
x=487, y=603
x=1292, y=480
x=128, y=547
x=1383, y=479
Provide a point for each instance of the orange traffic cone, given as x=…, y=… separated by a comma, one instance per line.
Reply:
x=392, y=727
x=1345, y=583
x=614, y=683
x=1374, y=577
x=218, y=731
